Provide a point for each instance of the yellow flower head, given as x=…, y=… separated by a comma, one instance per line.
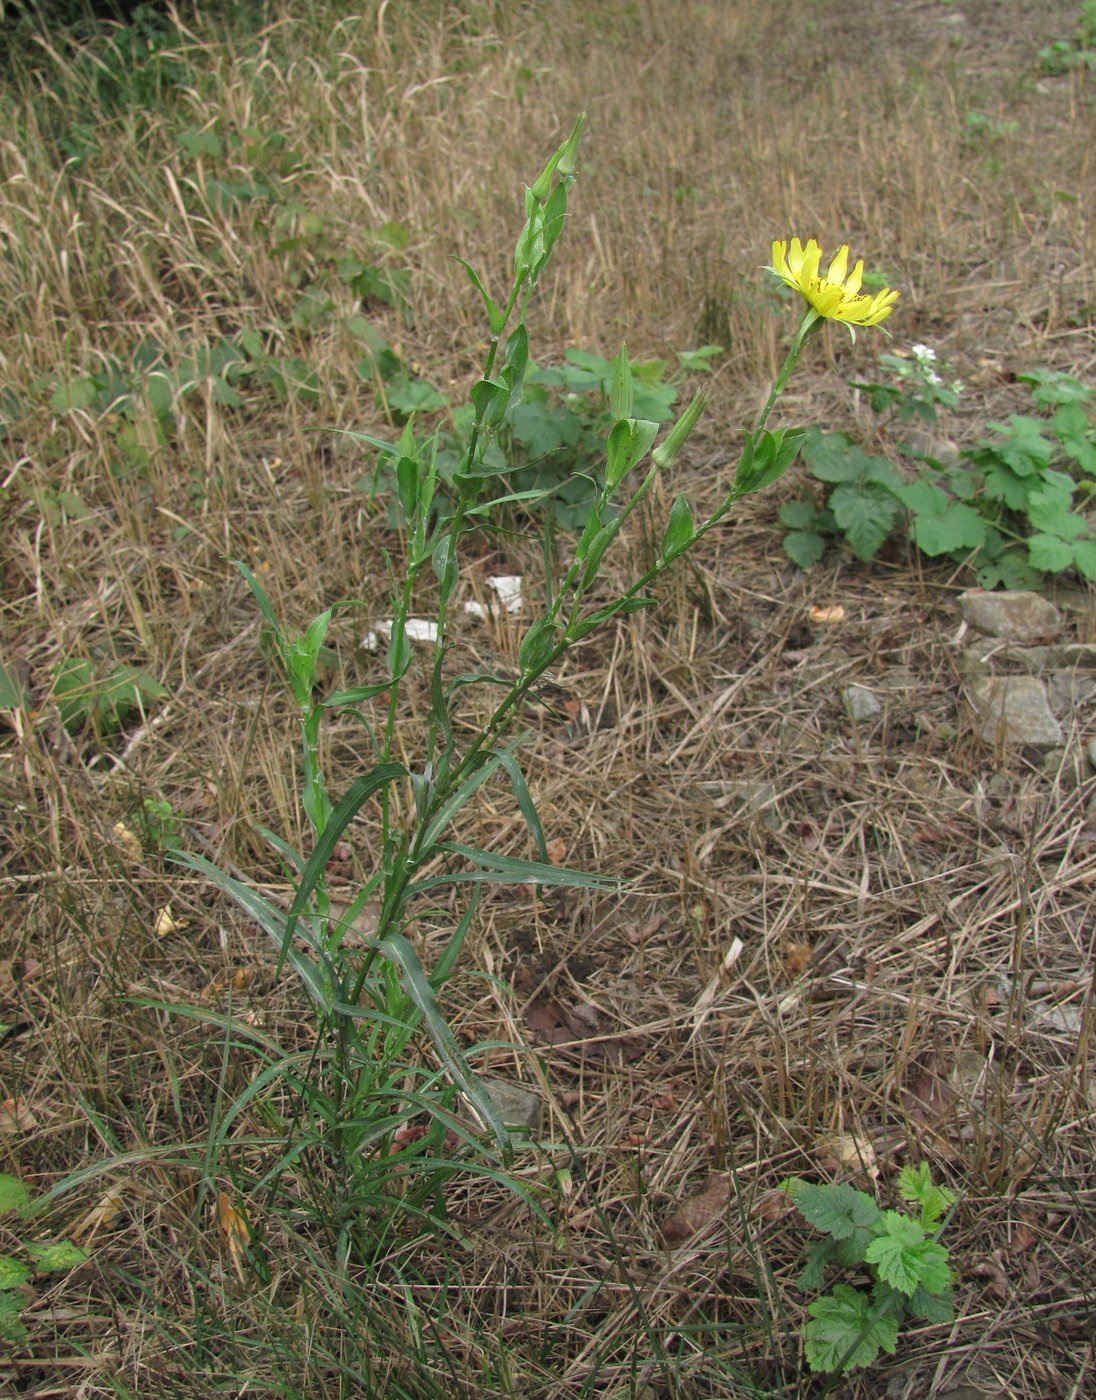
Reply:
x=835, y=295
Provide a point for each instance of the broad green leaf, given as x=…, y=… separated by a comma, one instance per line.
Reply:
x=1049, y=553
x=845, y=1331
x=835, y=1210
x=935, y=1307
x=56, y=1256
x=804, y=547
x=798, y=515
x=915, y=1184
x=1084, y=558
x=903, y=1256
x=11, y=1329
x=12, y=1272
x=819, y=1254
x=13, y=1194
x=866, y=513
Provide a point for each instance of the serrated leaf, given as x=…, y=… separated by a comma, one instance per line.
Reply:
x=866, y=513
x=915, y=1184
x=902, y=1255
x=798, y=515
x=813, y=1277
x=1084, y=558
x=935, y=1307
x=804, y=547
x=1049, y=553
x=844, y=1331
x=835, y=1210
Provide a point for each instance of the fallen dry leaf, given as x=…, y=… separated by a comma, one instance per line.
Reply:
x=557, y=850
x=102, y=1216
x=166, y=923
x=578, y=1027
x=16, y=1117
x=827, y=615
x=128, y=843
x=796, y=958
x=847, y=1152
x=697, y=1211
x=236, y=1231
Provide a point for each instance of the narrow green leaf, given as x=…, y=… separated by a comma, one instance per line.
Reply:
x=399, y=950
x=679, y=529
x=622, y=394
x=355, y=797
x=270, y=919
x=509, y=870
x=495, y=318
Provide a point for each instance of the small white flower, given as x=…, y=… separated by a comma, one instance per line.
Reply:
x=924, y=353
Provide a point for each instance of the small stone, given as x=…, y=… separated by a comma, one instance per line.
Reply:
x=1016, y=617
x=861, y=703
x=1068, y=690
x=1015, y=708
x=517, y=1106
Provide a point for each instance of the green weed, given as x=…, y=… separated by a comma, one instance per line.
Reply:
x=39, y=1257
x=909, y=1268
x=1012, y=508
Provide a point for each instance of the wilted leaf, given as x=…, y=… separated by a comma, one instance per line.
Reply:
x=580, y=1026
x=16, y=1117
x=236, y=1231
x=697, y=1211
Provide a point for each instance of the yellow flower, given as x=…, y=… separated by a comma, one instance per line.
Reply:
x=836, y=295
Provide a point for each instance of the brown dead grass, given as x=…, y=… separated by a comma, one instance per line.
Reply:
x=879, y=936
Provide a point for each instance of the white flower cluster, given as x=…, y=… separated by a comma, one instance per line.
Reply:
x=925, y=357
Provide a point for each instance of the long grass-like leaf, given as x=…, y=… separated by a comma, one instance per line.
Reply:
x=399, y=950
x=508, y=870
x=270, y=919
x=358, y=793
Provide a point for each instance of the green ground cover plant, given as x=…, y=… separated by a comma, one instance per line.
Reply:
x=1015, y=508
x=910, y=1272
x=35, y=1259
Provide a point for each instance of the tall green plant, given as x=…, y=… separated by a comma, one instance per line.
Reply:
x=354, y=1092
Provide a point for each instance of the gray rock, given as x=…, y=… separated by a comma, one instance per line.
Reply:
x=861, y=703
x=517, y=1106
x=1068, y=690
x=1015, y=708
x=1015, y=617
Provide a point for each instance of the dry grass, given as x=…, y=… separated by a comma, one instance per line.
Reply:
x=886, y=941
